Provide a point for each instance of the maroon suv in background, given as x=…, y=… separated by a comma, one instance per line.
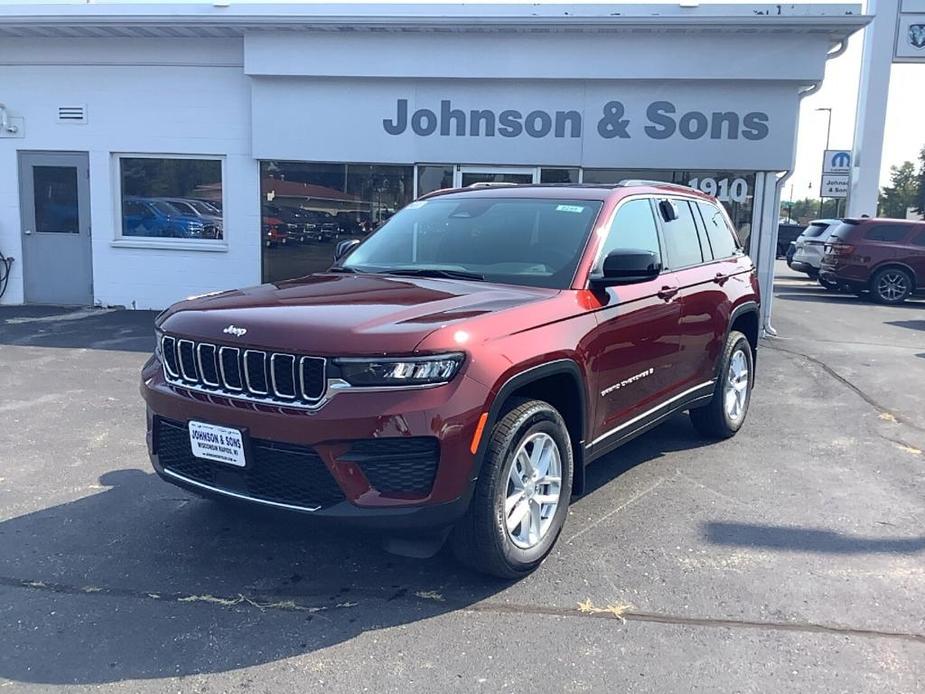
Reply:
x=454, y=373
x=885, y=257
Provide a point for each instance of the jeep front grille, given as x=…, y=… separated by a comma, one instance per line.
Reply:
x=251, y=374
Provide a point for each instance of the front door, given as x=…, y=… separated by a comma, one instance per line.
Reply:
x=634, y=349
x=469, y=175
x=55, y=207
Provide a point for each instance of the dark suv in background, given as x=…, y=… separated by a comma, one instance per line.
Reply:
x=455, y=372
x=885, y=257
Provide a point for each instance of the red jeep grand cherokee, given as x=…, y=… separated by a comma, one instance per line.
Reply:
x=883, y=256
x=456, y=371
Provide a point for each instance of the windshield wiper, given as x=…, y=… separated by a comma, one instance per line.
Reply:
x=434, y=272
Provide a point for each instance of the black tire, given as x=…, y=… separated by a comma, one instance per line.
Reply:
x=712, y=420
x=813, y=273
x=891, y=285
x=480, y=540
x=831, y=286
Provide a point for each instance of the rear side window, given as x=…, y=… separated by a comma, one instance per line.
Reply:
x=722, y=242
x=842, y=231
x=682, y=242
x=887, y=232
x=633, y=227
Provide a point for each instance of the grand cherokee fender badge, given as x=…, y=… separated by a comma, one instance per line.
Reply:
x=627, y=381
x=234, y=330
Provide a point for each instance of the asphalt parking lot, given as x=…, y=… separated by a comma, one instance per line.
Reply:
x=791, y=558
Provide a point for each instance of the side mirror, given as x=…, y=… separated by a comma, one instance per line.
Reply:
x=628, y=266
x=344, y=247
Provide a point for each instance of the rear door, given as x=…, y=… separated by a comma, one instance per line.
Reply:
x=703, y=254
x=632, y=351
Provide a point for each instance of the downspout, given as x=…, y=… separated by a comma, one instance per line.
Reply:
x=782, y=178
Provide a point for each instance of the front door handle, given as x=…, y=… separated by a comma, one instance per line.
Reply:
x=667, y=292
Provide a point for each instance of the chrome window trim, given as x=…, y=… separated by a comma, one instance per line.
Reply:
x=247, y=378
x=202, y=373
x=173, y=350
x=324, y=372
x=221, y=369
x=276, y=392
x=180, y=360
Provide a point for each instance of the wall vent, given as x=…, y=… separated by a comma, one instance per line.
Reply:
x=72, y=114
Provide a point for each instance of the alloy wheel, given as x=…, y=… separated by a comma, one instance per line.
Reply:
x=534, y=487
x=892, y=286
x=735, y=392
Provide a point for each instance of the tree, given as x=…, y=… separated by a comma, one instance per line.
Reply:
x=901, y=194
x=808, y=209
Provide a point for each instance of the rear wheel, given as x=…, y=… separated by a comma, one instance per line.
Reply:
x=725, y=414
x=522, y=494
x=891, y=285
x=828, y=284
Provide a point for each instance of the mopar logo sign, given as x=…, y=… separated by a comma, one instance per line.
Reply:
x=836, y=161
x=917, y=35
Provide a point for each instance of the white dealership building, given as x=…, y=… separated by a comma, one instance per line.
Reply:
x=149, y=152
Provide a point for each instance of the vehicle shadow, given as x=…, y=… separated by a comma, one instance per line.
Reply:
x=675, y=434
x=87, y=328
x=797, y=539
x=911, y=324
x=142, y=580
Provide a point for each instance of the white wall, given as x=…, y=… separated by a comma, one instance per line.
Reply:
x=160, y=97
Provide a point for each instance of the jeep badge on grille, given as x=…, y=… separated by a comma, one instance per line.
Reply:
x=234, y=330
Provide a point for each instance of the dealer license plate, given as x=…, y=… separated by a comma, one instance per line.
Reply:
x=221, y=444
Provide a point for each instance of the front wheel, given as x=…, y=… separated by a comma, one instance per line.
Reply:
x=724, y=415
x=522, y=494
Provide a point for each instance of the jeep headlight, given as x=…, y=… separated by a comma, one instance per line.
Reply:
x=400, y=371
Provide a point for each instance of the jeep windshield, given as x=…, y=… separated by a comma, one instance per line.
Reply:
x=525, y=241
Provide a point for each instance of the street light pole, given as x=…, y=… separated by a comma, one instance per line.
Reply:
x=828, y=137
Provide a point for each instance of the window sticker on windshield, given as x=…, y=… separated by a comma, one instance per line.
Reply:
x=416, y=204
x=570, y=208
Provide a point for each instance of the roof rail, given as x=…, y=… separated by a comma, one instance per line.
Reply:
x=490, y=184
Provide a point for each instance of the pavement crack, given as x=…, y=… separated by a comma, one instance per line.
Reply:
x=881, y=409
x=289, y=604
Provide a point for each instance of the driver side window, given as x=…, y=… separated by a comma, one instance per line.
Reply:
x=633, y=227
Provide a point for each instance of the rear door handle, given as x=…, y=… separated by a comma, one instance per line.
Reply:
x=667, y=292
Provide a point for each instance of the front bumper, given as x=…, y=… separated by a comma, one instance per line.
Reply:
x=444, y=413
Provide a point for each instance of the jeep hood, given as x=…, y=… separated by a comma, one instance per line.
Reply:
x=331, y=314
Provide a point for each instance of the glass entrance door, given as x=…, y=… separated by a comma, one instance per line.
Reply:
x=469, y=175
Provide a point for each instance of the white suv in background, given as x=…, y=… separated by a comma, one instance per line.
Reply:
x=810, y=245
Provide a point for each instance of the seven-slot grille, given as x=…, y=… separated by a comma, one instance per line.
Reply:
x=253, y=374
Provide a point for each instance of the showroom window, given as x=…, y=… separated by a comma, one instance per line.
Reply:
x=433, y=177
x=171, y=198
x=735, y=189
x=307, y=207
